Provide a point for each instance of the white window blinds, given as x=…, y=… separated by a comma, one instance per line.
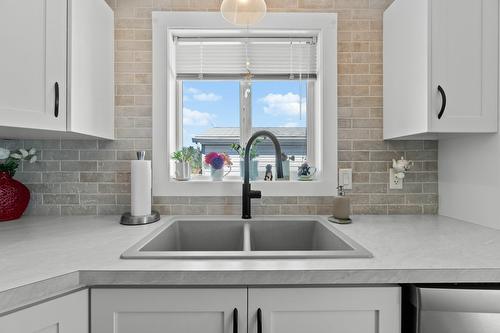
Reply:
x=232, y=58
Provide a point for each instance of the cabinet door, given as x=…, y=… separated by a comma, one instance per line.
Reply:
x=325, y=310
x=68, y=314
x=465, y=64
x=168, y=310
x=32, y=60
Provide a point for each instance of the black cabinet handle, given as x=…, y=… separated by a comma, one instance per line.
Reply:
x=259, y=320
x=443, y=105
x=235, y=320
x=56, y=102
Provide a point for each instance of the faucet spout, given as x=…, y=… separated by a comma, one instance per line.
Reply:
x=247, y=193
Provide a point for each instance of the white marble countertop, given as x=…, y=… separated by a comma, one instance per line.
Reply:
x=45, y=256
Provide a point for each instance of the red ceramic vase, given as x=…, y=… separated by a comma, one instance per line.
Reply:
x=14, y=198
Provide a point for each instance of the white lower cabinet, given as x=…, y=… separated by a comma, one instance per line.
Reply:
x=270, y=310
x=67, y=314
x=325, y=310
x=168, y=310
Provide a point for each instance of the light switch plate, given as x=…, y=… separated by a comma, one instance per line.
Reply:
x=345, y=178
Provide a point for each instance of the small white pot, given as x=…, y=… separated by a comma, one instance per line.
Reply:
x=182, y=171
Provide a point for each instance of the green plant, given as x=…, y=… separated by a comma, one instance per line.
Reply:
x=183, y=155
x=196, y=160
x=9, y=161
x=253, y=149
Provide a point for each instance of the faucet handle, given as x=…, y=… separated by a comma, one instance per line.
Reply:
x=255, y=194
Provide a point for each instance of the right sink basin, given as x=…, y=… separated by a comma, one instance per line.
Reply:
x=218, y=237
x=295, y=236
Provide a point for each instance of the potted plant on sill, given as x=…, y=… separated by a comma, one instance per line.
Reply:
x=183, y=161
x=217, y=161
x=14, y=196
x=254, y=164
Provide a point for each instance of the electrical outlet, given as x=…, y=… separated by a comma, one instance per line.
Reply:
x=394, y=182
x=345, y=178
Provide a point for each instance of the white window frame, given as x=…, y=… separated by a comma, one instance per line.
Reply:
x=165, y=100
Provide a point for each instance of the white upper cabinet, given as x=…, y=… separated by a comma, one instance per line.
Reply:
x=56, y=69
x=440, y=68
x=33, y=64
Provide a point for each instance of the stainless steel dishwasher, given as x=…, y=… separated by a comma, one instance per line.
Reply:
x=451, y=309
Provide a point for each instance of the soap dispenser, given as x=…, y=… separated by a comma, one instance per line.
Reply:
x=341, y=208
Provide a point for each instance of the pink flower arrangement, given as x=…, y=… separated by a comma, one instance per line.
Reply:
x=217, y=160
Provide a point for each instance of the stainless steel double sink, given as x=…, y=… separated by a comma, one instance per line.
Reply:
x=263, y=237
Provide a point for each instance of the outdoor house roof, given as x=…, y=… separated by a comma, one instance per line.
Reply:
x=293, y=140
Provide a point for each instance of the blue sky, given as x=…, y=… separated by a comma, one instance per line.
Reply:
x=216, y=104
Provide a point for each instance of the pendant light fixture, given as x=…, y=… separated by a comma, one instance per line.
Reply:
x=243, y=12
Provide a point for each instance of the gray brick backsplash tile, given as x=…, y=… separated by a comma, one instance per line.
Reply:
x=42, y=166
x=45, y=210
x=60, y=177
x=266, y=210
x=207, y=200
x=29, y=177
x=60, y=155
x=116, y=144
x=79, y=144
x=61, y=199
x=387, y=199
x=78, y=165
x=224, y=210
x=97, y=199
x=98, y=155
x=78, y=188
x=431, y=209
x=44, y=188
x=93, y=176
x=113, y=166
x=123, y=199
x=114, y=188
x=163, y=209
x=97, y=177
x=299, y=210
x=189, y=210
x=78, y=210
x=425, y=199
x=370, y=209
x=171, y=200
x=404, y=209
x=42, y=144
x=277, y=200
x=112, y=209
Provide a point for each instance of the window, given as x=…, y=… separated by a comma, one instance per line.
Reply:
x=288, y=85
x=230, y=87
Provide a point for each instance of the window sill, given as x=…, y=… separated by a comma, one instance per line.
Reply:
x=204, y=186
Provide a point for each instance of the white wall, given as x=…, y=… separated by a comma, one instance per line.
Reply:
x=469, y=178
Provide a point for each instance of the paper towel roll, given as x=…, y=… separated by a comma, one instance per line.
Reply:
x=141, y=187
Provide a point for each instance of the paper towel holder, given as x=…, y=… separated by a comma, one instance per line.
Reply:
x=129, y=219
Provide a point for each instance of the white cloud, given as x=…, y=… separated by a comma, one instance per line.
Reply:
x=193, y=91
x=283, y=104
x=291, y=124
x=202, y=96
x=197, y=118
x=207, y=97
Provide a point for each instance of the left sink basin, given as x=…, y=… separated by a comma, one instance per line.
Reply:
x=191, y=238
